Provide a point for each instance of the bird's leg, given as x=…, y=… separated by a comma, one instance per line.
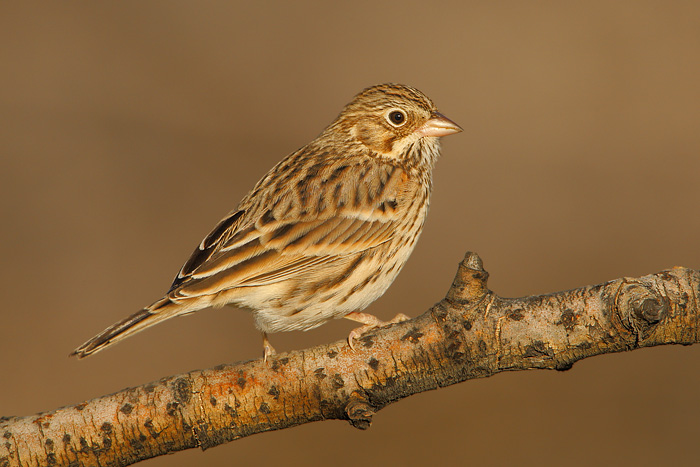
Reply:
x=268, y=350
x=370, y=322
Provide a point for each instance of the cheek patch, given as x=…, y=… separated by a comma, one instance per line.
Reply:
x=375, y=138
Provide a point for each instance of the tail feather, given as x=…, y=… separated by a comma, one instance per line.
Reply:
x=142, y=319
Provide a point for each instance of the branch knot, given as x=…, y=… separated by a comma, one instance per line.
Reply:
x=359, y=411
x=640, y=308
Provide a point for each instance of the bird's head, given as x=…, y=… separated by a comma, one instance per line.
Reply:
x=395, y=121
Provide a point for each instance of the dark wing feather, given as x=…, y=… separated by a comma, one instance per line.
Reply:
x=207, y=247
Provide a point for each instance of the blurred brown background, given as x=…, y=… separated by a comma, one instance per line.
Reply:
x=127, y=130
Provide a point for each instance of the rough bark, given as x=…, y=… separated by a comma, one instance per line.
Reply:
x=471, y=333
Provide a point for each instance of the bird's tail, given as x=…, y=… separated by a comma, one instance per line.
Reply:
x=161, y=310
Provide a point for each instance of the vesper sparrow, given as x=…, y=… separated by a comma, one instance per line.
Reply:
x=324, y=233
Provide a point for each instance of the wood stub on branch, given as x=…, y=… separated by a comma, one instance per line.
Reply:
x=471, y=333
x=469, y=285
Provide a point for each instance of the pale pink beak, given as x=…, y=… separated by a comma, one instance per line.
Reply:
x=438, y=125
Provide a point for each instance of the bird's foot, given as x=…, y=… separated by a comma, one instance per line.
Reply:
x=370, y=322
x=268, y=350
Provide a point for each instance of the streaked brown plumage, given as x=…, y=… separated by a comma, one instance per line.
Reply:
x=325, y=232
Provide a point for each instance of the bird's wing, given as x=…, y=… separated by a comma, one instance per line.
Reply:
x=287, y=238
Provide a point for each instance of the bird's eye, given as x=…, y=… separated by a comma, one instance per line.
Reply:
x=397, y=117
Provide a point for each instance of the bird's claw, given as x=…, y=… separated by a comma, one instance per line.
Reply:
x=268, y=351
x=372, y=323
x=356, y=333
x=400, y=318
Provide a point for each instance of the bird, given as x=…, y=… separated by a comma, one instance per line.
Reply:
x=324, y=233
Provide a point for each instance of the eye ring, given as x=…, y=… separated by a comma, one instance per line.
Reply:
x=396, y=117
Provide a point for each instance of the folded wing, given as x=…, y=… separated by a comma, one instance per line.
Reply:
x=248, y=249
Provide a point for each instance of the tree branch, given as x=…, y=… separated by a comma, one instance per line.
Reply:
x=471, y=333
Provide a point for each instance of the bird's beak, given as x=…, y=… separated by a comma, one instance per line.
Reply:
x=438, y=125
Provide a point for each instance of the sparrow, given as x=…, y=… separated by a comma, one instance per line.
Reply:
x=324, y=233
